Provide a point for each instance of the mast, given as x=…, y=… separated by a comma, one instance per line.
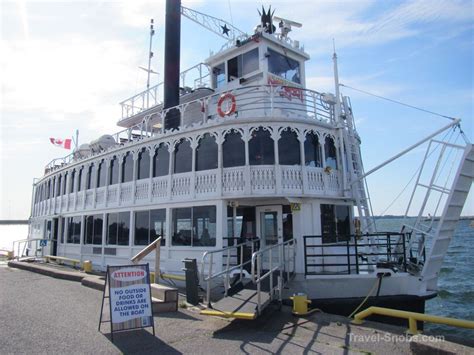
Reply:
x=150, y=55
x=339, y=120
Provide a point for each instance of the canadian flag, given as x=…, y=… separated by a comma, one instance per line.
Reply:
x=64, y=143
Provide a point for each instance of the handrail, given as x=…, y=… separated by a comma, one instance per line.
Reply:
x=281, y=266
x=25, y=241
x=228, y=269
x=156, y=244
x=412, y=318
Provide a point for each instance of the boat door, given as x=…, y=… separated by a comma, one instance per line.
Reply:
x=269, y=225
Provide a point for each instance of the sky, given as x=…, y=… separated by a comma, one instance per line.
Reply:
x=66, y=65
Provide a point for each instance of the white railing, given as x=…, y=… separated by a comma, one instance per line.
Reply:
x=194, y=77
x=237, y=181
x=277, y=259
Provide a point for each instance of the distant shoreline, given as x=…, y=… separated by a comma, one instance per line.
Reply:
x=13, y=221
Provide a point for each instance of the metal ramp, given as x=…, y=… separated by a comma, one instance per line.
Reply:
x=448, y=196
x=271, y=269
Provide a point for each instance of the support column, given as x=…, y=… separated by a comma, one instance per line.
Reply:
x=136, y=154
x=304, y=173
x=246, y=135
x=194, y=144
x=171, y=169
x=151, y=151
x=275, y=134
x=219, y=182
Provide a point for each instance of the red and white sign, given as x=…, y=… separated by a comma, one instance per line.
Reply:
x=128, y=274
x=63, y=143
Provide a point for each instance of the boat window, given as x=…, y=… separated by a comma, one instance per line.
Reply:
x=158, y=225
x=90, y=173
x=218, y=73
x=93, y=230
x=261, y=148
x=283, y=66
x=194, y=226
x=114, y=171
x=62, y=223
x=48, y=190
x=143, y=164
x=312, y=150
x=54, y=188
x=64, y=187
x=242, y=64
x=74, y=230
x=161, y=161
x=335, y=223
x=233, y=150
x=142, y=228
x=118, y=228
x=330, y=151
x=127, y=167
x=206, y=153
x=101, y=170
x=183, y=157
x=245, y=225
x=150, y=225
x=59, y=189
x=79, y=179
x=287, y=217
x=289, y=148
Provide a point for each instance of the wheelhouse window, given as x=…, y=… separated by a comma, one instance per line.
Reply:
x=284, y=66
x=183, y=157
x=101, y=170
x=233, y=150
x=143, y=164
x=114, y=171
x=127, y=168
x=289, y=148
x=161, y=161
x=218, y=74
x=242, y=64
x=330, y=151
x=206, y=153
x=93, y=231
x=312, y=150
x=149, y=225
x=194, y=226
x=335, y=223
x=118, y=228
x=74, y=230
x=261, y=148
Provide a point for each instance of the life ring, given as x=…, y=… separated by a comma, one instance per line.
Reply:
x=232, y=106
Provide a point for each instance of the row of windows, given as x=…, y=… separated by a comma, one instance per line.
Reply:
x=191, y=226
x=261, y=152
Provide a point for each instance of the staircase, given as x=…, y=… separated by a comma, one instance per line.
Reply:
x=271, y=269
x=356, y=169
x=449, y=197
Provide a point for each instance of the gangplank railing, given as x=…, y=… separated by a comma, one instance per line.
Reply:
x=265, y=267
x=155, y=245
x=227, y=253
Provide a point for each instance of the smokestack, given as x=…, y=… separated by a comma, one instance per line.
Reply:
x=172, y=58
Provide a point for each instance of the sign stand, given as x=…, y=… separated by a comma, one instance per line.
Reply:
x=127, y=287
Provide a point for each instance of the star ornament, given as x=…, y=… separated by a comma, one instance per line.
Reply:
x=225, y=30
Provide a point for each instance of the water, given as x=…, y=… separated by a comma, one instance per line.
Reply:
x=456, y=280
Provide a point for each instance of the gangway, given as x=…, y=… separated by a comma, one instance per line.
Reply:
x=246, y=297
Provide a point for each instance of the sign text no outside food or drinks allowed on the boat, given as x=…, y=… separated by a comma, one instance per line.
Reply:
x=130, y=297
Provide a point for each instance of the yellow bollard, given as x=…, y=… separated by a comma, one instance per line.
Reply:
x=300, y=304
x=87, y=266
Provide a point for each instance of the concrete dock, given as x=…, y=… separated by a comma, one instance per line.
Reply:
x=44, y=314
